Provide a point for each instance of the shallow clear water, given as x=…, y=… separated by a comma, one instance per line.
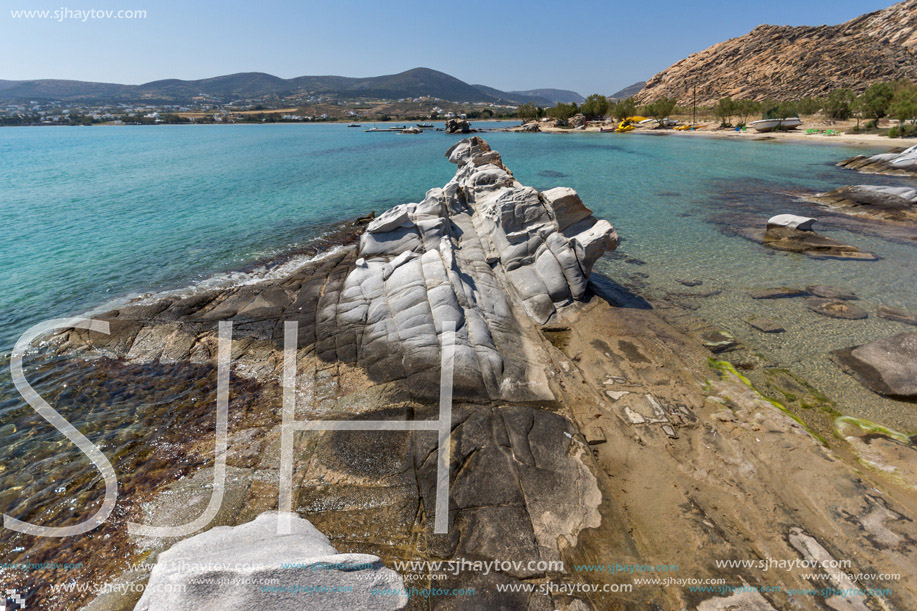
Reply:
x=88, y=215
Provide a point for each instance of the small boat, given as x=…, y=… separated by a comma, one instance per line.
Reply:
x=412, y=130
x=354, y=125
x=425, y=125
x=769, y=125
x=386, y=129
x=607, y=129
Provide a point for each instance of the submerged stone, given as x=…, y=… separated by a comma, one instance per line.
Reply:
x=896, y=315
x=887, y=366
x=835, y=308
x=794, y=234
x=778, y=293
x=765, y=325
x=718, y=341
x=831, y=292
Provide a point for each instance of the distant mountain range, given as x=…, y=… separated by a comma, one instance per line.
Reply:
x=629, y=91
x=552, y=95
x=414, y=83
x=785, y=62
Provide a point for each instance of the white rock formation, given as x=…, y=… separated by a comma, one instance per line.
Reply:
x=905, y=193
x=791, y=221
x=545, y=243
x=906, y=159
x=251, y=567
x=484, y=251
x=465, y=253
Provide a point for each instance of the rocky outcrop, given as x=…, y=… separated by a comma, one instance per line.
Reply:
x=458, y=126
x=900, y=162
x=531, y=127
x=227, y=567
x=578, y=120
x=887, y=366
x=794, y=234
x=895, y=204
x=784, y=62
x=484, y=251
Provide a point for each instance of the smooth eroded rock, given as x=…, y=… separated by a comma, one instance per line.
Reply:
x=831, y=292
x=794, y=234
x=765, y=325
x=887, y=366
x=781, y=292
x=896, y=315
x=835, y=308
x=896, y=163
x=885, y=203
x=251, y=566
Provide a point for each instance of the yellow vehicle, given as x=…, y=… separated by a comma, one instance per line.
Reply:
x=625, y=127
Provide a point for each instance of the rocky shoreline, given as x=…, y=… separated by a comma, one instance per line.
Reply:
x=586, y=429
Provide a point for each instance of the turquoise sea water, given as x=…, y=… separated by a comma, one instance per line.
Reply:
x=89, y=215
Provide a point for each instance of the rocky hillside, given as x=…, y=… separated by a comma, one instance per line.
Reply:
x=786, y=62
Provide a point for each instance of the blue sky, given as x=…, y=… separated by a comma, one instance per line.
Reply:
x=585, y=45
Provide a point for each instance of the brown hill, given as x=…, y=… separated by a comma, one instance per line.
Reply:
x=786, y=62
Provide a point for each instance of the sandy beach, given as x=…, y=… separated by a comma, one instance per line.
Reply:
x=843, y=136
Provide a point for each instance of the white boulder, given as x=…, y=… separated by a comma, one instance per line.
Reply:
x=251, y=567
x=791, y=221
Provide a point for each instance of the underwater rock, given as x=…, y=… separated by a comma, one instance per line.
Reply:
x=765, y=325
x=718, y=341
x=887, y=366
x=835, y=308
x=896, y=315
x=831, y=292
x=782, y=292
x=794, y=234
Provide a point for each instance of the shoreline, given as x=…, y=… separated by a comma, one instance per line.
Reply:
x=866, y=140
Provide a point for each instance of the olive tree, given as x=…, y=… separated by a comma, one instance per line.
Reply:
x=595, y=107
